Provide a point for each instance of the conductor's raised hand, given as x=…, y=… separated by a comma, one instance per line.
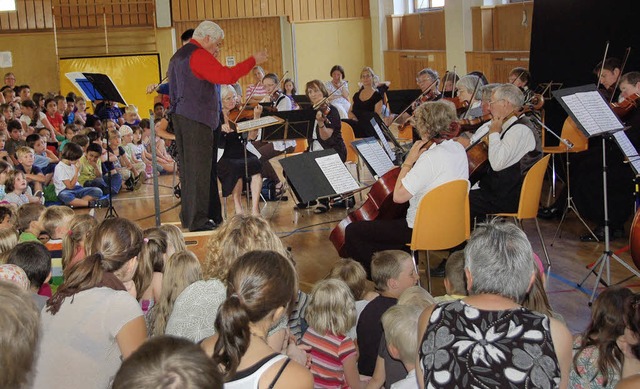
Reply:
x=261, y=56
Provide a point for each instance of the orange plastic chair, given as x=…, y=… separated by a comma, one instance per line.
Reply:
x=348, y=136
x=301, y=146
x=530, y=199
x=442, y=220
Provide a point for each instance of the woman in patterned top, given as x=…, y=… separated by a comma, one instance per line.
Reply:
x=488, y=339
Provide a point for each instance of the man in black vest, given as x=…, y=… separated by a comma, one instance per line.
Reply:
x=514, y=146
x=194, y=78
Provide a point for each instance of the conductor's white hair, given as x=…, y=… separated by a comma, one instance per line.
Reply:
x=210, y=29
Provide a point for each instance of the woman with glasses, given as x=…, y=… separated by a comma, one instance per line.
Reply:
x=367, y=104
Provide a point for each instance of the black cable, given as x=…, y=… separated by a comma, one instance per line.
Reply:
x=309, y=226
x=161, y=212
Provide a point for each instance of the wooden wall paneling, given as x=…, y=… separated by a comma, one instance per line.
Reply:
x=21, y=11
x=30, y=13
x=13, y=19
x=403, y=65
x=360, y=8
x=83, y=9
x=304, y=11
x=343, y=9
x=48, y=13
x=487, y=29
x=311, y=9
x=4, y=21
x=320, y=10
x=509, y=33
x=351, y=7
x=476, y=28
x=200, y=11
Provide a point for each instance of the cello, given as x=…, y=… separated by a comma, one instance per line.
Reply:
x=379, y=205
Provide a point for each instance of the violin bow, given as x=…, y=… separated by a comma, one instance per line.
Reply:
x=319, y=103
x=446, y=78
x=473, y=96
x=414, y=101
x=247, y=101
x=624, y=63
x=606, y=50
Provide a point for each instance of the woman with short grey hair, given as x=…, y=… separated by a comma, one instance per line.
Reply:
x=488, y=339
x=470, y=90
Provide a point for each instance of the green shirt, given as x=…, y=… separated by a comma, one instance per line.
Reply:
x=87, y=172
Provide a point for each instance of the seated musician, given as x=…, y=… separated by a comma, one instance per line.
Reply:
x=231, y=158
x=256, y=92
x=520, y=77
x=268, y=150
x=470, y=91
x=424, y=169
x=586, y=177
x=428, y=81
x=450, y=80
x=514, y=146
x=367, y=103
x=608, y=73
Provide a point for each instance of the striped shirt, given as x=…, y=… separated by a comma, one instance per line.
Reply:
x=328, y=353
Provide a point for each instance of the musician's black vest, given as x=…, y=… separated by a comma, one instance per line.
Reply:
x=504, y=186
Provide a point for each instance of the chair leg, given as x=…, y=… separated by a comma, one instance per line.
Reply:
x=415, y=256
x=544, y=246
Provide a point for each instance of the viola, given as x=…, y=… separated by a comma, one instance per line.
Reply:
x=473, y=124
x=378, y=206
x=626, y=106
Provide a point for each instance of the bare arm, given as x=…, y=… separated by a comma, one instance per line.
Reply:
x=400, y=193
x=131, y=336
x=378, y=378
x=562, y=340
x=351, y=375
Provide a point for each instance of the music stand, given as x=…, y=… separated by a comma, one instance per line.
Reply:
x=400, y=99
x=97, y=86
x=594, y=117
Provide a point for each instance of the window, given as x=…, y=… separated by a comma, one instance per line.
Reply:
x=425, y=5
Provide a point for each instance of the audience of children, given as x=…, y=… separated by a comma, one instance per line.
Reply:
x=35, y=260
x=454, y=281
x=65, y=179
x=34, y=175
x=27, y=221
x=18, y=191
x=44, y=159
x=8, y=240
x=5, y=168
x=133, y=151
x=148, y=278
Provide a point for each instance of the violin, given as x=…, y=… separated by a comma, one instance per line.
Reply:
x=236, y=115
x=461, y=105
x=473, y=124
x=626, y=106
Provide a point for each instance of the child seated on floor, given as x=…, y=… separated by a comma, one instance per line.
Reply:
x=15, y=141
x=34, y=175
x=131, y=177
x=70, y=130
x=330, y=314
x=5, y=168
x=66, y=184
x=454, y=279
x=151, y=260
x=35, y=260
x=80, y=228
x=91, y=170
x=133, y=152
x=131, y=116
x=4, y=155
x=28, y=226
x=8, y=218
x=165, y=162
x=17, y=190
x=392, y=272
x=400, y=324
x=44, y=158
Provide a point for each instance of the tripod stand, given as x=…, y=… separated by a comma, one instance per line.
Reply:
x=604, y=261
x=111, y=211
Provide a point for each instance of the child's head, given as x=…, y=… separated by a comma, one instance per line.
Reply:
x=331, y=308
x=158, y=110
x=73, y=243
x=81, y=103
x=61, y=103
x=126, y=133
x=14, y=127
x=37, y=143
x=175, y=239
x=181, y=270
x=353, y=274
x=131, y=110
x=454, y=277
x=18, y=315
x=26, y=155
x=392, y=272
x=16, y=182
x=71, y=103
x=94, y=151
x=8, y=240
x=5, y=168
x=70, y=130
x=71, y=152
x=55, y=221
x=81, y=140
x=7, y=217
x=3, y=140
x=94, y=137
x=400, y=324
x=172, y=361
x=28, y=216
x=6, y=112
x=114, y=138
x=111, y=125
x=44, y=133
x=50, y=106
x=137, y=134
x=34, y=259
x=151, y=259
x=416, y=296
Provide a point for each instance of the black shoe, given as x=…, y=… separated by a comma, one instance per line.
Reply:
x=550, y=213
x=208, y=226
x=439, y=271
x=104, y=203
x=614, y=234
x=345, y=203
x=321, y=209
x=306, y=205
x=177, y=191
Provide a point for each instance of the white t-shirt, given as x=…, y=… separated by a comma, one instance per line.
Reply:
x=78, y=347
x=62, y=172
x=409, y=382
x=26, y=119
x=440, y=164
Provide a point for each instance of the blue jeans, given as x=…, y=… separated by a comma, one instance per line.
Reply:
x=116, y=183
x=68, y=195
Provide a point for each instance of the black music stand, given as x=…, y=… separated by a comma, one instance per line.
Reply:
x=298, y=124
x=400, y=99
x=95, y=87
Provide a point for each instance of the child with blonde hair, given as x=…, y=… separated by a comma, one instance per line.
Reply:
x=131, y=117
x=28, y=226
x=175, y=239
x=181, y=270
x=148, y=278
x=18, y=192
x=5, y=168
x=8, y=240
x=354, y=275
x=330, y=314
x=400, y=324
x=73, y=243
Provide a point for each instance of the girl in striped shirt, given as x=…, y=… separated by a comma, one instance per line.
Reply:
x=330, y=314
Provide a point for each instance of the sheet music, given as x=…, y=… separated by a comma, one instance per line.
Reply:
x=628, y=150
x=592, y=112
x=337, y=174
x=260, y=122
x=372, y=152
x=383, y=140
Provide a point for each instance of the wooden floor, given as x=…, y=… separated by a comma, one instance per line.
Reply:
x=307, y=234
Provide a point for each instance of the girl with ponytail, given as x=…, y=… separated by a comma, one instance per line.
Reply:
x=92, y=323
x=261, y=287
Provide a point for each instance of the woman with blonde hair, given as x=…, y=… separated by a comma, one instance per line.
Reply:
x=195, y=309
x=181, y=270
x=367, y=104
